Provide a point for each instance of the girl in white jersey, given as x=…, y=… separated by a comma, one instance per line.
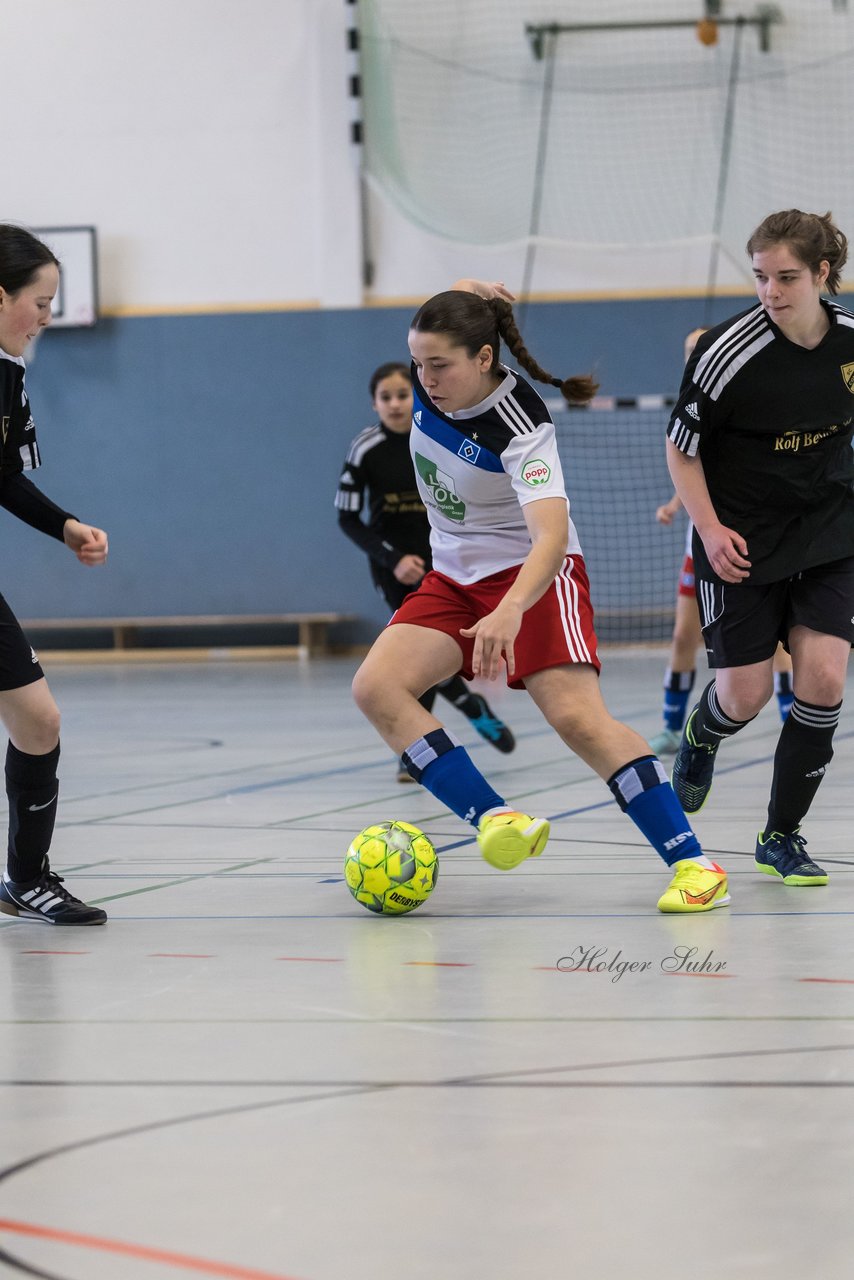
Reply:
x=508, y=590
x=29, y=276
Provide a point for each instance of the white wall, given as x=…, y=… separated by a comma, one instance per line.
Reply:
x=206, y=140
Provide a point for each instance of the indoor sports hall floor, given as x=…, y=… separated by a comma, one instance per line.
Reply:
x=247, y=1075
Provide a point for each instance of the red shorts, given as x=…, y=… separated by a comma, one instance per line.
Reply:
x=557, y=630
x=686, y=578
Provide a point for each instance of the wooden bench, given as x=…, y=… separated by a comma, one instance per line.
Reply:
x=128, y=633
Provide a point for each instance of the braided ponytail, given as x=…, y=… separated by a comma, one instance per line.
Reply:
x=473, y=322
x=577, y=390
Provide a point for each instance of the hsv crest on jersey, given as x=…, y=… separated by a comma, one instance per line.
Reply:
x=847, y=371
x=469, y=452
x=536, y=472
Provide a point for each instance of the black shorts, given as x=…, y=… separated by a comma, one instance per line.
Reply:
x=393, y=592
x=742, y=623
x=18, y=662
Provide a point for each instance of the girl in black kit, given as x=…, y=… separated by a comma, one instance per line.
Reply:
x=396, y=536
x=759, y=448
x=29, y=276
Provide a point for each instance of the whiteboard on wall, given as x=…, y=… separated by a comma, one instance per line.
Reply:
x=76, y=301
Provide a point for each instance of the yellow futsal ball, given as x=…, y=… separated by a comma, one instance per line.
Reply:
x=391, y=868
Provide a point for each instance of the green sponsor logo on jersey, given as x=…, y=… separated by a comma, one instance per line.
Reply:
x=536, y=472
x=441, y=489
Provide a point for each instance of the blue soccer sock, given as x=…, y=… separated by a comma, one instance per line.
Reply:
x=784, y=691
x=643, y=792
x=677, y=690
x=444, y=767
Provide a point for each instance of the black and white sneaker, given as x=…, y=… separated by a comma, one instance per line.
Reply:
x=46, y=899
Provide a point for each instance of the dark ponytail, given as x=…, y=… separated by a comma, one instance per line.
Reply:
x=577, y=390
x=472, y=322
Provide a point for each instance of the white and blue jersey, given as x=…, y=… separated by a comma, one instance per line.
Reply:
x=477, y=468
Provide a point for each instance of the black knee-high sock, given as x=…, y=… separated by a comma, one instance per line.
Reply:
x=710, y=726
x=32, y=788
x=457, y=691
x=803, y=753
x=427, y=699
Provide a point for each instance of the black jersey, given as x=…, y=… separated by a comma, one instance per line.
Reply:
x=772, y=424
x=19, y=452
x=379, y=468
x=18, y=448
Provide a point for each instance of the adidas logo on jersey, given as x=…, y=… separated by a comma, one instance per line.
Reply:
x=416, y=417
x=693, y=411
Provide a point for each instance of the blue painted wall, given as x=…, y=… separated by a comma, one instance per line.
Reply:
x=209, y=448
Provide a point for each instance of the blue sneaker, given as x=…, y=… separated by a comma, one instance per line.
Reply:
x=785, y=857
x=693, y=769
x=487, y=723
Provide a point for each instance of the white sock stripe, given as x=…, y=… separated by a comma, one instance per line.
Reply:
x=421, y=753
x=815, y=717
x=715, y=708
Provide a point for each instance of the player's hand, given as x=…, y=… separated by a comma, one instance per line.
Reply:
x=486, y=289
x=88, y=543
x=668, y=510
x=409, y=570
x=494, y=637
x=727, y=553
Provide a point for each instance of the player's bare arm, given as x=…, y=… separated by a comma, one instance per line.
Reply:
x=726, y=548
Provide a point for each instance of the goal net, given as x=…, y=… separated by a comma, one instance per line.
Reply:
x=623, y=137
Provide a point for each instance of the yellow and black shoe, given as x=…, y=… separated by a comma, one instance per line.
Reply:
x=695, y=888
x=506, y=839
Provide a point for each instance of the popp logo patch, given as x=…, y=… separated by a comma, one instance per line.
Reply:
x=536, y=472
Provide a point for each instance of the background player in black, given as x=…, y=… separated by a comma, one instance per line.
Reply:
x=687, y=635
x=29, y=276
x=396, y=535
x=759, y=448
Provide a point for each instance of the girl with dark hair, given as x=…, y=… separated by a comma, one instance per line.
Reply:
x=29, y=276
x=378, y=472
x=759, y=448
x=508, y=590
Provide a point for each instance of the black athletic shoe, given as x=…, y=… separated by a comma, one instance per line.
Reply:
x=692, y=770
x=487, y=723
x=786, y=858
x=46, y=899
